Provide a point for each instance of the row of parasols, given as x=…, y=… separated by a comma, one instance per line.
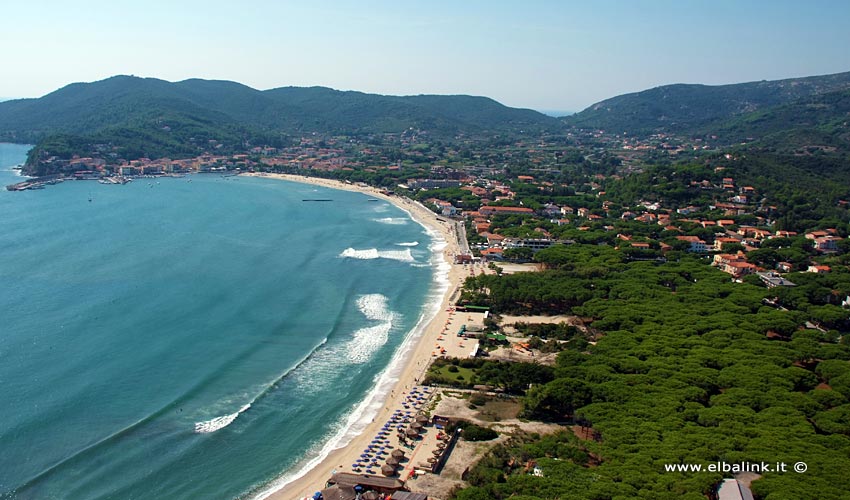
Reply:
x=369, y=460
x=379, y=448
x=417, y=397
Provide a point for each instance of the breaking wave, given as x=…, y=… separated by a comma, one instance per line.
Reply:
x=363, y=412
x=368, y=340
x=217, y=423
x=395, y=221
x=374, y=253
x=408, y=244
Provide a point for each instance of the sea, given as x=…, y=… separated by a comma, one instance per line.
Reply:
x=204, y=337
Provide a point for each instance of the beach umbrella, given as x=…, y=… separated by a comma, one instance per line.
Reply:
x=437, y=453
x=398, y=454
x=422, y=419
x=370, y=495
x=411, y=433
x=416, y=426
x=393, y=461
x=431, y=460
x=387, y=470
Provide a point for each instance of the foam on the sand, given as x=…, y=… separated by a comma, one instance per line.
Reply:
x=361, y=414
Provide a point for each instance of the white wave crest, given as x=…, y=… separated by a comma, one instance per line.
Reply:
x=408, y=244
x=394, y=221
x=367, y=340
x=364, y=412
x=374, y=306
x=217, y=423
x=374, y=253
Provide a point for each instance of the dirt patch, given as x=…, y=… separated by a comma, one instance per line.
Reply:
x=498, y=410
x=498, y=414
x=464, y=455
x=509, y=268
x=570, y=320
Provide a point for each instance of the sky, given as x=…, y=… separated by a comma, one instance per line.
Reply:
x=546, y=55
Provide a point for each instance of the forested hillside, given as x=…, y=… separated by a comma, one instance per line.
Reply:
x=689, y=368
x=686, y=108
x=129, y=102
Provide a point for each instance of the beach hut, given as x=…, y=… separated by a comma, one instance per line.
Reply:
x=339, y=493
x=387, y=470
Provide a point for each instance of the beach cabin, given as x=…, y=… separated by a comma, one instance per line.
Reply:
x=366, y=481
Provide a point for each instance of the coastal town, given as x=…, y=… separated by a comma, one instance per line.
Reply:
x=499, y=205
x=425, y=251
x=509, y=210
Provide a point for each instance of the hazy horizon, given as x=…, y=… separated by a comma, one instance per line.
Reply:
x=539, y=55
x=553, y=112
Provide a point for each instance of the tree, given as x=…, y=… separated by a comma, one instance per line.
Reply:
x=558, y=399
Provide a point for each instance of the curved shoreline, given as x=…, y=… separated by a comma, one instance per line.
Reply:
x=409, y=364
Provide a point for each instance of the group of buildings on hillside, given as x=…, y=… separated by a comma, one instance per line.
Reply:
x=725, y=233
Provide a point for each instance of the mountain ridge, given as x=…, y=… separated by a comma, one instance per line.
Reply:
x=690, y=108
x=86, y=108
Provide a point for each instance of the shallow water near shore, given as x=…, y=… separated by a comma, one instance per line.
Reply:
x=192, y=337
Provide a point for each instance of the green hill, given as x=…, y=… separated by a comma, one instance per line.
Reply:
x=818, y=122
x=687, y=109
x=131, y=102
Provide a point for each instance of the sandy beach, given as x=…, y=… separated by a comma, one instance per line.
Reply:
x=417, y=360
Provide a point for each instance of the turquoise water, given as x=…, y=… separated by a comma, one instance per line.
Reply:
x=137, y=325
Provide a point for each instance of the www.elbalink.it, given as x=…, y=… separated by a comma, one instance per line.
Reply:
x=736, y=467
